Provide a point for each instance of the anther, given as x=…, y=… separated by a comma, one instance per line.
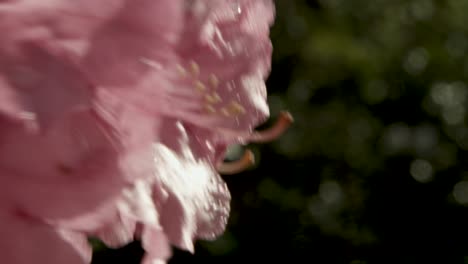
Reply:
x=199, y=86
x=214, y=82
x=213, y=98
x=182, y=71
x=195, y=69
x=225, y=112
x=282, y=124
x=236, y=108
x=233, y=167
x=210, y=109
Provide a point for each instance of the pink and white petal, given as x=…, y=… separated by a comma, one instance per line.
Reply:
x=137, y=203
x=25, y=241
x=116, y=222
x=179, y=222
x=198, y=201
x=117, y=233
x=79, y=241
x=133, y=208
x=105, y=223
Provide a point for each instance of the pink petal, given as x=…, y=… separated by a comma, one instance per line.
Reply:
x=116, y=222
x=144, y=30
x=84, y=160
x=25, y=241
x=117, y=233
x=65, y=24
x=9, y=101
x=157, y=246
x=73, y=163
x=134, y=207
x=43, y=82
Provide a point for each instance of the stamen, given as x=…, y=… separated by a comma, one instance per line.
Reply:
x=199, y=86
x=214, y=82
x=182, y=71
x=284, y=121
x=194, y=68
x=210, y=109
x=236, y=108
x=225, y=112
x=213, y=98
x=233, y=167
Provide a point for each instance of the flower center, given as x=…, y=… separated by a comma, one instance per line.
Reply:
x=207, y=86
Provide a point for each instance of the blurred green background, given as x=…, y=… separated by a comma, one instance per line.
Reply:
x=373, y=170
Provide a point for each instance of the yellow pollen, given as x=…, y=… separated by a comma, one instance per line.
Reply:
x=194, y=68
x=213, y=98
x=210, y=109
x=214, y=82
x=225, y=112
x=182, y=71
x=236, y=108
x=199, y=86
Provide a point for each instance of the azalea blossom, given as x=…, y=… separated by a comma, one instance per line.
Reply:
x=115, y=118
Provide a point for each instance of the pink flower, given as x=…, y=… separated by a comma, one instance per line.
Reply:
x=214, y=96
x=115, y=117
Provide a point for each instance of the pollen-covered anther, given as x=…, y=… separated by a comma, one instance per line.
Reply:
x=213, y=98
x=233, y=167
x=213, y=81
x=199, y=86
x=225, y=112
x=194, y=68
x=236, y=108
x=210, y=109
x=181, y=70
x=284, y=121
